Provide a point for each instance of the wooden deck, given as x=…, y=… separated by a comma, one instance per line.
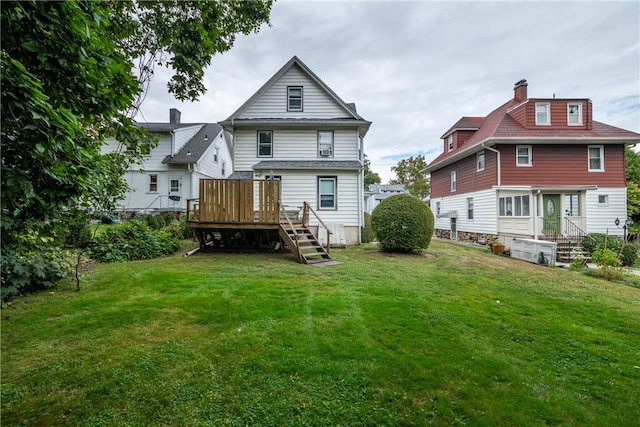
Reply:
x=225, y=217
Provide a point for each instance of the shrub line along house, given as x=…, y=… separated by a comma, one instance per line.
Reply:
x=299, y=133
x=170, y=173
x=534, y=168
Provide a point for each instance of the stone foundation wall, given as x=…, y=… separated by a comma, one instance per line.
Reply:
x=466, y=236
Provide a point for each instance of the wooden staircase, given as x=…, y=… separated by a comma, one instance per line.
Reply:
x=304, y=244
x=301, y=240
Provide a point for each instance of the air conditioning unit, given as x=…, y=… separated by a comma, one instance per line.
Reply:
x=325, y=153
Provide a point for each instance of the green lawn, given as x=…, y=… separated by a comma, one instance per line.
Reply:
x=460, y=336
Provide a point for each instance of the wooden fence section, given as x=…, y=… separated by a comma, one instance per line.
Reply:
x=232, y=201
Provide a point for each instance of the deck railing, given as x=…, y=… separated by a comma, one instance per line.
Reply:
x=232, y=201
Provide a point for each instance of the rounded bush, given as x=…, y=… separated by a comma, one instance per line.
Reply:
x=403, y=223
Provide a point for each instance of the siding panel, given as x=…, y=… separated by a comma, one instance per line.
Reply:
x=316, y=102
x=563, y=165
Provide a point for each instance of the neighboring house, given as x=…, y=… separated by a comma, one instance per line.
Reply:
x=172, y=170
x=379, y=192
x=538, y=168
x=297, y=130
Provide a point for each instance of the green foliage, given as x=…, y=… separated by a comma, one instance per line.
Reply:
x=625, y=251
x=69, y=83
x=367, y=233
x=31, y=260
x=370, y=177
x=131, y=241
x=155, y=221
x=403, y=223
x=409, y=173
x=77, y=230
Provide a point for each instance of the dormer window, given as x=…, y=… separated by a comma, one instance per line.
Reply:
x=574, y=114
x=450, y=142
x=294, y=98
x=543, y=115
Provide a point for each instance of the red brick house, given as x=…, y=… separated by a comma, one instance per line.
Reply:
x=536, y=168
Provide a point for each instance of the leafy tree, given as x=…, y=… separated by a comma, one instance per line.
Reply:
x=370, y=177
x=69, y=82
x=632, y=171
x=409, y=173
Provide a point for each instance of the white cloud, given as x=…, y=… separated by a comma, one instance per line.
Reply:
x=414, y=68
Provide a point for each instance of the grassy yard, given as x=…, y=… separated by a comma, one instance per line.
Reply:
x=459, y=336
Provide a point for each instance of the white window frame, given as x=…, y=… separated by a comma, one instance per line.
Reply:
x=515, y=205
x=454, y=181
x=438, y=208
x=325, y=146
x=543, y=118
x=153, y=181
x=265, y=144
x=577, y=116
x=216, y=153
x=470, y=208
x=572, y=204
x=480, y=161
x=600, y=149
x=450, y=143
x=603, y=200
x=290, y=98
x=528, y=157
x=223, y=169
x=334, y=194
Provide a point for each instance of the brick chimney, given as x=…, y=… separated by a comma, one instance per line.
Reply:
x=520, y=91
x=174, y=116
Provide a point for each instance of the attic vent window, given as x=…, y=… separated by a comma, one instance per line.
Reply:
x=294, y=98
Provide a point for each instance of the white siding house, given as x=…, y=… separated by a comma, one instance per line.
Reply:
x=296, y=129
x=171, y=171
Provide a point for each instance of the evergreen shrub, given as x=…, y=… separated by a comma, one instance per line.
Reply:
x=403, y=223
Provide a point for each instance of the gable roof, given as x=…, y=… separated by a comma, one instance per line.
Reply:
x=500, y=127
x=193, y=150
x=349, y=108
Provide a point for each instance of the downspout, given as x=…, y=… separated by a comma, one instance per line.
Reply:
x=173, y=143
x=535, y=214
x=498, y=160
x=499, y=180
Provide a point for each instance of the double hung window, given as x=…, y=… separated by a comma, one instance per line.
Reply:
x=543, y=114
x=265, y=143
x=294, y=98
x=327, y=192
x=596, y=158
x=523, y=155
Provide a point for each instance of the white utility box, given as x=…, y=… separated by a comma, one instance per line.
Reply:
x=536, y=251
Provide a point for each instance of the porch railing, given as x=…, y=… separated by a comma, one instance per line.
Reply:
x=232, y=201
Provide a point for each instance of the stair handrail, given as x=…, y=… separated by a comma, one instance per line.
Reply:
x=305, y=215
x=576, y=231
x=283, y=212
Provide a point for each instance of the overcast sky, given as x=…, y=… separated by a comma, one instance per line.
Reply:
x=414, y=68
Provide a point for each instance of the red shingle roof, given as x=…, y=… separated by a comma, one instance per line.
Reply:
x=500, y=125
